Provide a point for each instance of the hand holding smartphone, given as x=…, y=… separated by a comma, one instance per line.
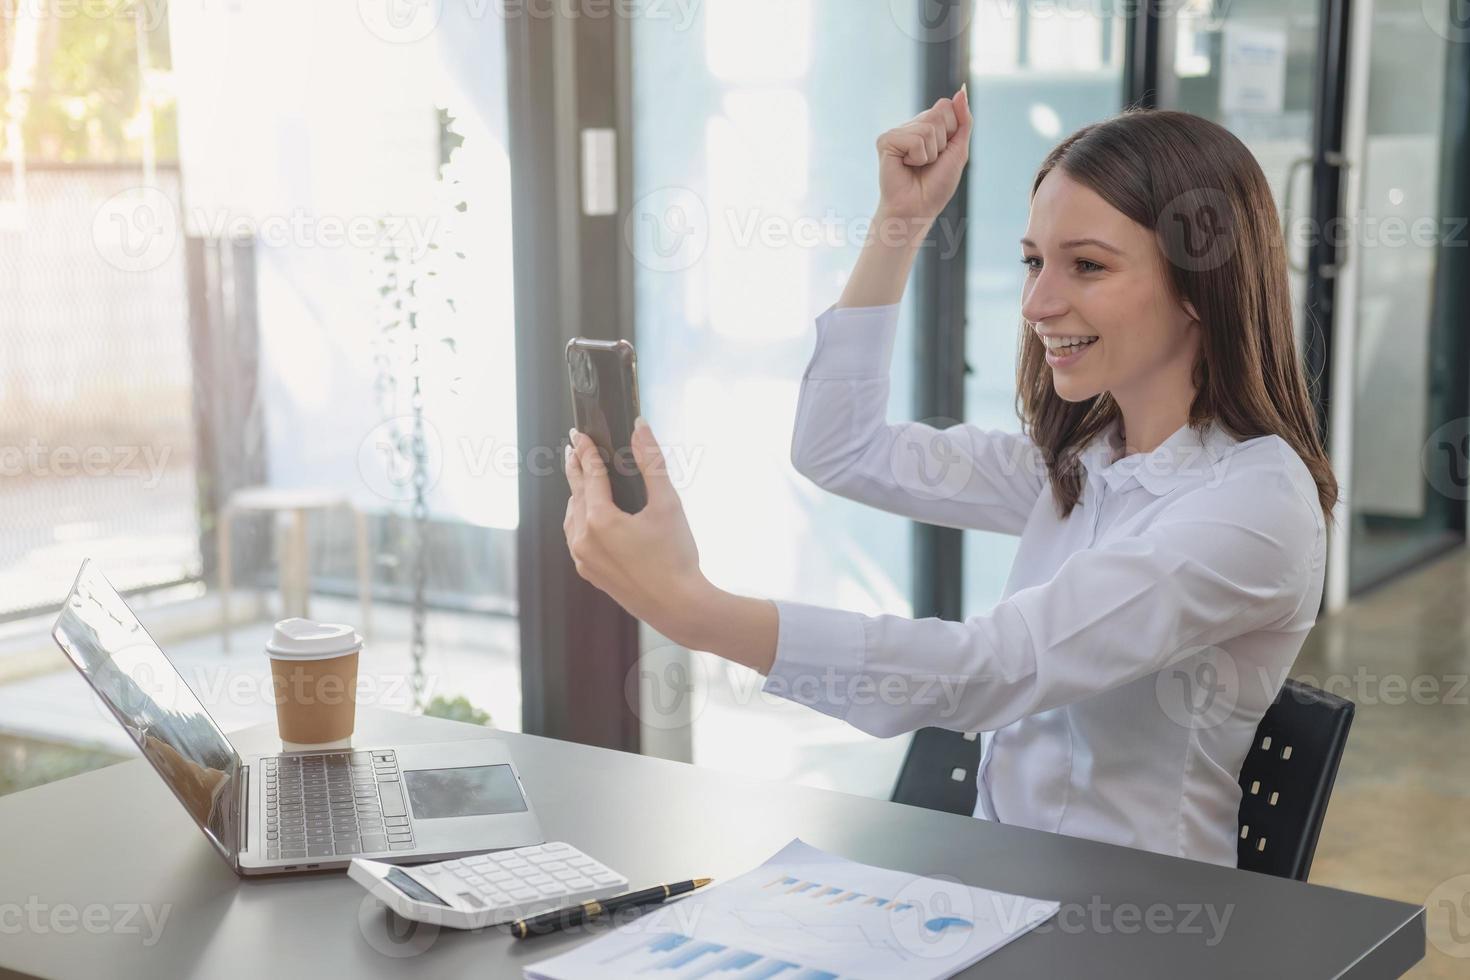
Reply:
x=604, y=380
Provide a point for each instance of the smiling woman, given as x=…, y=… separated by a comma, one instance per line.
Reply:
x=1168, y=487
x=1181, y=277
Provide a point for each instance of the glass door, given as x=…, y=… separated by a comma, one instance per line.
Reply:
x=1252, y=67
x=1407, y=487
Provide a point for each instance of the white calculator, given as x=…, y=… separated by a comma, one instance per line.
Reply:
x=489, y=889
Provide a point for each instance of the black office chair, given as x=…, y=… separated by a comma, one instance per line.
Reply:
x=1285, y=782
x=1287, y=779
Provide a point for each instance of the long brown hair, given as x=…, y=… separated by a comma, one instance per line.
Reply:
x=1204, y=195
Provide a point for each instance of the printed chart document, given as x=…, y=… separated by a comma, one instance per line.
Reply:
x=811, y=915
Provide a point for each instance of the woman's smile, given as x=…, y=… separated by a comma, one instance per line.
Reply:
x=1060, y=355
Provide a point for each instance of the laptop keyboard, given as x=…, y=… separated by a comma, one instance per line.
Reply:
x=334, y=803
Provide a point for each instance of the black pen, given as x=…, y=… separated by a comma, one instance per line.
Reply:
x=572, y=915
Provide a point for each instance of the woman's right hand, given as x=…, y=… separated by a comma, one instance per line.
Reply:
x=920, y=162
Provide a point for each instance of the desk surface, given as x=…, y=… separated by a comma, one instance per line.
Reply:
x=115, y=839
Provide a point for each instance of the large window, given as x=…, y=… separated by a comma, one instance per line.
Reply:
x=1038, y=72
x=755, y=174
x=258, y=338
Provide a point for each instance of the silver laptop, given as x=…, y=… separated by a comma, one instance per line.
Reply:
x=293, y=811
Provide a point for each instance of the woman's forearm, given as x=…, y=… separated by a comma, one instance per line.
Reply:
x=883, y=267
x=738, y=628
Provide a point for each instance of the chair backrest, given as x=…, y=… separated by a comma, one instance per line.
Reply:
x=1287, y=779
x=938, y=771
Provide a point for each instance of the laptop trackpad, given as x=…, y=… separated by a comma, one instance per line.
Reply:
x=468, y=791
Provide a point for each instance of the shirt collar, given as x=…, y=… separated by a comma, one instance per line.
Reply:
x=1184, y=457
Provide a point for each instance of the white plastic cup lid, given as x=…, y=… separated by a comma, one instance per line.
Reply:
x=303, y=639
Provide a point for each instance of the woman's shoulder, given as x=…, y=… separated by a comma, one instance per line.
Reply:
x=1265, y=471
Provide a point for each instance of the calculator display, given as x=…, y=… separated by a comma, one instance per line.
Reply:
x=413, y=889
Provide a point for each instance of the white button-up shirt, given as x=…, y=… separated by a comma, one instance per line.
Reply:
x=1119, y=681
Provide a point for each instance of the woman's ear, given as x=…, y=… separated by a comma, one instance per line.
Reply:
x=1189, y=309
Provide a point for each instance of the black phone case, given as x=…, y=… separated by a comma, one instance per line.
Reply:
x=604, y=380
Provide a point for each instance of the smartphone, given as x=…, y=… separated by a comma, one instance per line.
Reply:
x=604, y=379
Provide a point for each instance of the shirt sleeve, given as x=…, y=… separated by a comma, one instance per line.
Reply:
x=1228, y=562
x=957, y=476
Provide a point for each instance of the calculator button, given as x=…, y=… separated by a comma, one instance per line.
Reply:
x=522, y=894
x=554, y=889
x=451, y=865
x=528, y=851
x=464, y=872
x=557, y=846
x=475, y=880
x=499, y=877
x=554, y=866
x=477, y=860
x=566, y=873
x=539, y=880
x=577, y=884
x=604, y=877
x=582, y=862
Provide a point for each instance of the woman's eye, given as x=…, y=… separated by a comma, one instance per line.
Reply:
x=1028, y=260
x=1083, y=265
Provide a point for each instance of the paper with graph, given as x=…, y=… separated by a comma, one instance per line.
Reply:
x=806, y=914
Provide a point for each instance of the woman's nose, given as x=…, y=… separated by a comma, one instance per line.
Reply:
x=1042, y=299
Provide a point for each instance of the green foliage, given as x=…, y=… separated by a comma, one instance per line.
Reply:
x=85, y=95
x=459, y=709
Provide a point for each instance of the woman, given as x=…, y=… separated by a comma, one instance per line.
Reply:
x=1169, y=489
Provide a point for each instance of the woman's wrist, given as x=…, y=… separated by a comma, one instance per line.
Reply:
x=739, y=628
x=896, y=230
x=883, y=266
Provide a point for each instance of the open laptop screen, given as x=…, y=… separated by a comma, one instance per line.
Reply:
x=148, y=696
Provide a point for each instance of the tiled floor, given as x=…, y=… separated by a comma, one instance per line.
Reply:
x=1399, y=821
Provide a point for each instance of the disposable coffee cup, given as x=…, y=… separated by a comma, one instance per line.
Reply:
x=314, y=680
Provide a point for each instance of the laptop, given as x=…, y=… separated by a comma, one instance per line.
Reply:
x=291, y=811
